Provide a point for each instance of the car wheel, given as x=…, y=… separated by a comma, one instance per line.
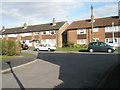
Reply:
x=91, y=50
x=49, y=49
x=109, y=50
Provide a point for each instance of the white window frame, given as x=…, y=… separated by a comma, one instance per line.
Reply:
x=12, y=35
x=36, y=33
x=52, y=31
x=25, y=34
x=81, y=30
x=95, y=30
x=81, y=41
x=112, y=28
x=107, y=40
x=47, y=32
x=96, y=39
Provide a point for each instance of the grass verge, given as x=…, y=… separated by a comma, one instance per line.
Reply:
x=70, y=49
x=117, y=49
x=31, y=48
x=4, y=57
x=23, y=53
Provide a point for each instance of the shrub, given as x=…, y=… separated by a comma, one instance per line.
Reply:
x=10, y=47
x=4, y=47
x=17, y=47
x=80, y=46
x=69, y=44
x=77, y=46
x=0, y=46
x=84, y=46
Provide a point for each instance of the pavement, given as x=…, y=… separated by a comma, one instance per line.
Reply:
x=63, y=70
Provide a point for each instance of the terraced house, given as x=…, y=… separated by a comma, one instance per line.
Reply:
x=80, y=32
x=49, y=33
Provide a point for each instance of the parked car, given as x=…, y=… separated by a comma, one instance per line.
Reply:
x=100, y=46
x=24, y=46
x=44, y=47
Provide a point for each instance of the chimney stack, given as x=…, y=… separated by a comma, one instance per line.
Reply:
x=25, y=25
x=53, y=22
x=3, y=28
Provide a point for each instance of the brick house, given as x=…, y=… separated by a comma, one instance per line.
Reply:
x=79, y=32
x=49, y=33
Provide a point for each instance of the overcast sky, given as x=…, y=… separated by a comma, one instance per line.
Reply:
x=15, y=14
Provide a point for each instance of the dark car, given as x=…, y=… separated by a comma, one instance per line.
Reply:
x=100, y=46
x=24, y=46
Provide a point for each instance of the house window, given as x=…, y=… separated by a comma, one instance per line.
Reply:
x=36, y=33
x=52, y=32
x=110, y=40
x=45, y=32
x=108, y=29
x=81, y=31
x=112, y=28
x=96, y=39
x=12, y=35
x=81, y=41
x=26, y=34
x=95, y=29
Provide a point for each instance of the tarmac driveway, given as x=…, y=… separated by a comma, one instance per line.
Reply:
x=62, y=70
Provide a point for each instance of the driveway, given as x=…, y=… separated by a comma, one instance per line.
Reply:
x=63, y=70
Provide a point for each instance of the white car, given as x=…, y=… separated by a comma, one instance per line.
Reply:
x=44, y=47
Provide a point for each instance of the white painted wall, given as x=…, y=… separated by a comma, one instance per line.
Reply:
x=12, y=35
x=26, y=34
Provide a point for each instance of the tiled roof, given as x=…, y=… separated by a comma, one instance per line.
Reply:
x=99, y=22
x=34, y=28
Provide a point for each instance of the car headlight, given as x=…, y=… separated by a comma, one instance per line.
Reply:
x=114, y=48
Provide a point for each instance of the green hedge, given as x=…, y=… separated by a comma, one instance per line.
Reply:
x=10, y=47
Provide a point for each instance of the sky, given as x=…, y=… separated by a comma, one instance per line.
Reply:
x=14, y=13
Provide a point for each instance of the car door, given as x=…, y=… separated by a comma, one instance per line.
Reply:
x=96, y=46
x=102, y=46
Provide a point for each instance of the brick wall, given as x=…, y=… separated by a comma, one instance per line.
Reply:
x=100, y=34
x=72, y=36
x=59, y=34
x=49, y=36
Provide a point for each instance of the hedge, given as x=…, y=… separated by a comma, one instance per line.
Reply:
x=10, y=47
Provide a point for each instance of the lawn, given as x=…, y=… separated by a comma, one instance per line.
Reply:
x=31, y=48
x=4, y=57
x=70, y=49
x=23, y=53
x=78, y=49
x=118, y=49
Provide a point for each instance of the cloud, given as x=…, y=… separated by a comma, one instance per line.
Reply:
x=32, y=12
x=103, y=11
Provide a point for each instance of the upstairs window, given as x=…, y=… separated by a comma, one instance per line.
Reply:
x=36, y=33
x=81, y=31
x=95, y=29
x=112, y=28
x=45, y=32
x=52, y=32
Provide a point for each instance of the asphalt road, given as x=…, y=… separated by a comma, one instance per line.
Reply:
x=63, y=70
x=78, y=70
